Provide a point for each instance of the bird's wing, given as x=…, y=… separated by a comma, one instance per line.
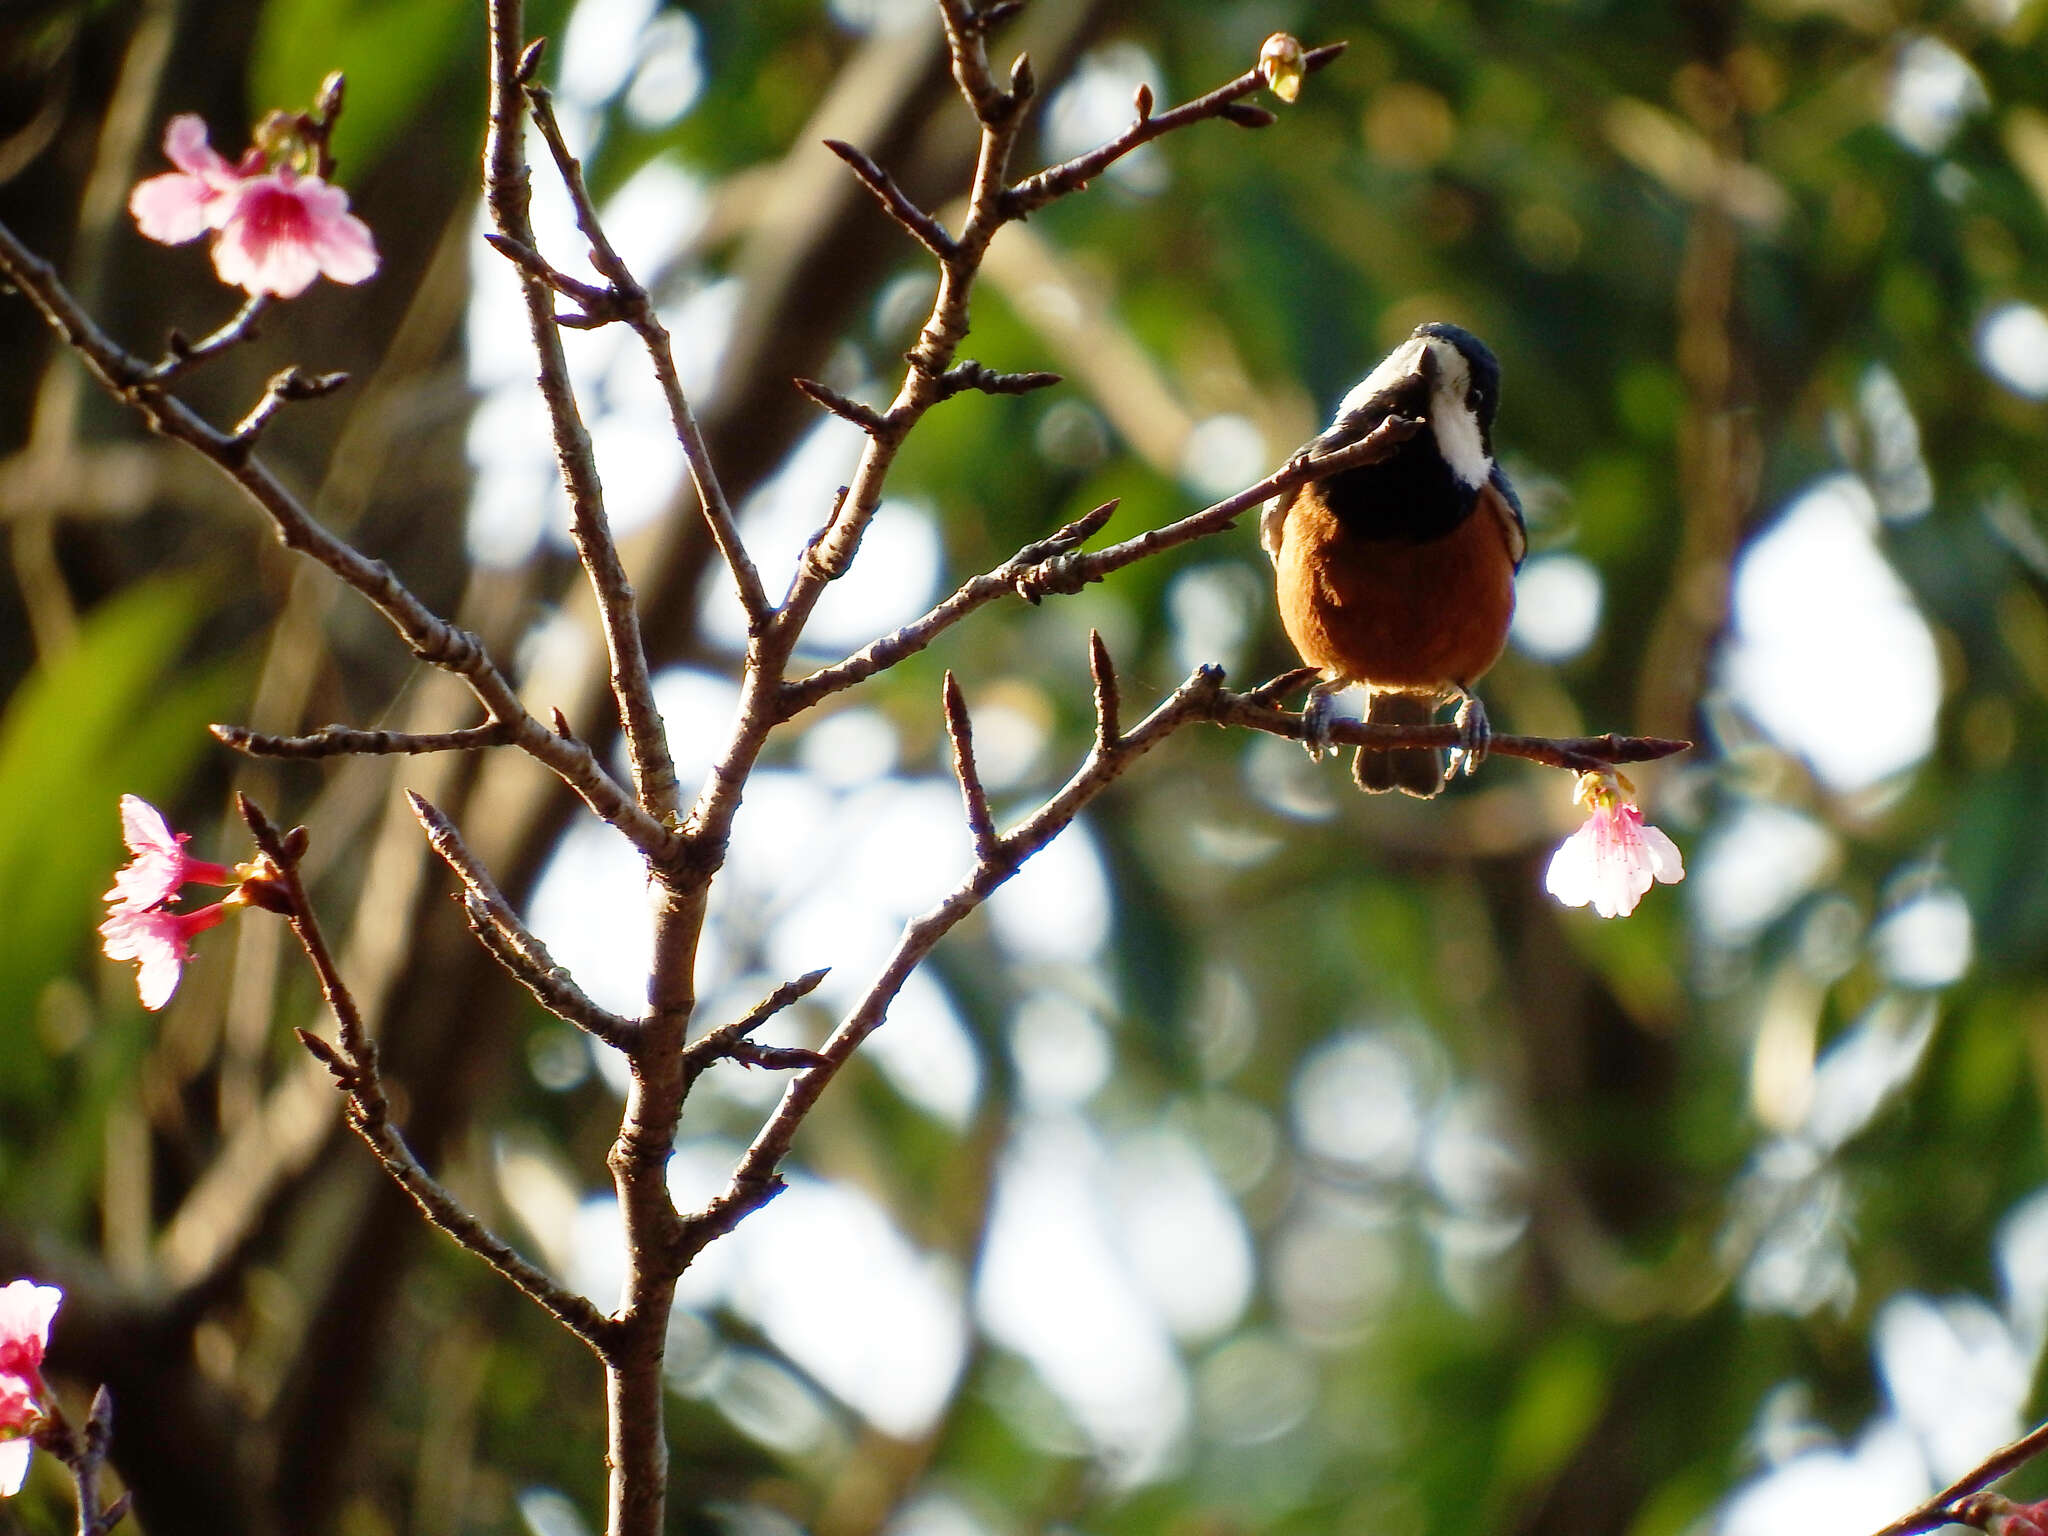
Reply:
x=1503, y=503
x=1273, y=522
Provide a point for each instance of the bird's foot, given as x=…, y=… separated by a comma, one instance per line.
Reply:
x=1475, y=735
x=1318, y=710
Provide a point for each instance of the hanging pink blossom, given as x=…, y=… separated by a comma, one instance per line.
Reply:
x=184, y=204
x=159, y=941
x=160, y=865
x=25, y=1313
x=19, y=1415
x=1614, y=858
x=285, y=230
x=26, y=1310
x=275, y=228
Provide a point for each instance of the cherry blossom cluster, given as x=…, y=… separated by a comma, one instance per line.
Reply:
x=1615, y=857
x=275, y=224
x=142, y=923
x=26, y=1310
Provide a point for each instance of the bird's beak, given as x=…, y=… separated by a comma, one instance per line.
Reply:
x=1425, y=367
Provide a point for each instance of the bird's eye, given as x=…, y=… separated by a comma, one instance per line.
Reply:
x=1475, y=397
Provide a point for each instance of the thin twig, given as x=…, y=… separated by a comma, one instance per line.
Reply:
x=1577, y=753
x=183, y=355
x=883, y=653
x=981, y=822
x=347, y=741
x=866, y=417
x=755, y=1179
x=1035, y=192
x=725, y=1040
x=1953, y=1502
x=433, y=639
x=507, y=192
x=353, y=1062
x=599, y=303
x=924, y=228
x=84, y=1454
x=962, y=377
x=1107, y=700
x=515, y=946
x=1055, y=565
x=1071, y=572
x=636, y=308
x=285, y=388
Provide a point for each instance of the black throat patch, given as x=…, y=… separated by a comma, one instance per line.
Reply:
x=1411, y=496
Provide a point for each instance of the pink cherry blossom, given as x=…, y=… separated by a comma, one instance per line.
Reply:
x=184, y=204
x=160, y=941
x=284, y=230
x=19, y=1414
x=160, y=865
x=25, y=1313
x=1613, y=859
x=275, y=228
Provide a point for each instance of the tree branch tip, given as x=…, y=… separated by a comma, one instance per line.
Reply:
x=1023, y=81
x=866, y=417
x=808, y=983
x=260, y=826
x=1317, y=58
x=1141, y=101
x=529, y=61
x=327, y=1055
x=995, y=15
x=1246, y=115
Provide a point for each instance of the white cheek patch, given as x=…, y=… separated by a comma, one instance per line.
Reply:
x=1455, y=424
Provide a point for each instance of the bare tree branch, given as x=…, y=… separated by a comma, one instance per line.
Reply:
x=728, y=1039
x=866, y=417
x=981, y=822
x=1964, y=1502
x=924, y=228
x=755, y=1179
x=1107, y=702
x=1053, y=564
x=1056, y=181
x=346, y=741
x=432, y=639
x=516, y=946
x=632, y=304
x=508, y=194
x=353, y=1063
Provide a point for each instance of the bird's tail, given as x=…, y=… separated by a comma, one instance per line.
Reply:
x=1417, y=771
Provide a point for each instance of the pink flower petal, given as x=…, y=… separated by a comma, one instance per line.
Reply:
x=173, y=208
x=183, y=204
x=346, y=251
x=26, y=1310
x=185, y=146
x=158, y=868
x=266, y=245
x=1611, y=861
x=285, y=230
x=17, y=1405
x=14, y=1455
x=159, y=941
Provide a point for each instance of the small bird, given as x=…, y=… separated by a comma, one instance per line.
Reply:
x=1400, y=575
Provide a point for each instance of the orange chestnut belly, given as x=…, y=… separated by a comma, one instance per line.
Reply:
x=1397, y=615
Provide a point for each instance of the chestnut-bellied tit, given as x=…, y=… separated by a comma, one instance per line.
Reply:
x=1400, y=575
